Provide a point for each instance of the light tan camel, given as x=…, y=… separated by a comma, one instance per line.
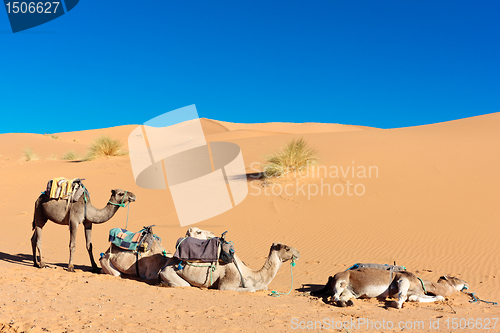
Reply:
x=379, y=283
x=226, y=276
x=58, y=211
x=116, y=261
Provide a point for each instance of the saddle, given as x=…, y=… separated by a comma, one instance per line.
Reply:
x=63, y=188
x=132, y=241
x=190, y=248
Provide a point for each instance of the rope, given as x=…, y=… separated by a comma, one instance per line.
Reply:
x=128, y=210
x=475, y=298
x=423, y=285
x=211, y=269
x=120, y=204
x=85, y=199
x=274, y=293
x=177, y=248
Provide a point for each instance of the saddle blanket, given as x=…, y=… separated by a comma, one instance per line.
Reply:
x=62, y=188
x=190, y=248
x=125, y=239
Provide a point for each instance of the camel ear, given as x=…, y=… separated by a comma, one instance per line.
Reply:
x=276, y=246
x=113, y=192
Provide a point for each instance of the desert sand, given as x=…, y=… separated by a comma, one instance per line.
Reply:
x=427, y=199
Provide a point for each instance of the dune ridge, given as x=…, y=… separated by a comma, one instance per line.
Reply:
x=431, y=206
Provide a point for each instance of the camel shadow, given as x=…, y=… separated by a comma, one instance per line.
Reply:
x=20, y=258
x=310, y=287
x=77, y=267
x=313, y=290
x=27, y=260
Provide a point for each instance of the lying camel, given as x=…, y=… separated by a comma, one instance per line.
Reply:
x=226, y=276
x=117, y=261
x=373, y=282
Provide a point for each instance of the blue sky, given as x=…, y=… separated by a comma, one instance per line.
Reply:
x=375, y=63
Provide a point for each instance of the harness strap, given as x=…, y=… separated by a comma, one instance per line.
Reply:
x=137, y=263
x=211, y=269
x=85, y=200
x=120, y=204
x=241, y=276
x=423, y=285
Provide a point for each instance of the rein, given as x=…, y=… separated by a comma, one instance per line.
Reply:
x=274, y=293
x=475, y=298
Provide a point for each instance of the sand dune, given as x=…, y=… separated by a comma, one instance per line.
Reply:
x=430, y=203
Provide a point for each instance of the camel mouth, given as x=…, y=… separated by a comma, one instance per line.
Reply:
x=131, y=198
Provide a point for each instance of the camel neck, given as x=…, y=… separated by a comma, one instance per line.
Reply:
x=95, y=215
x=439, y=288
x=268, y=271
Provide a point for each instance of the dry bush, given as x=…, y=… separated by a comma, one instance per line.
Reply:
x=105, y=146
x=29, y=155
x=294, y=156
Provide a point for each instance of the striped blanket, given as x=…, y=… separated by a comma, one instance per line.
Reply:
x=125, y=239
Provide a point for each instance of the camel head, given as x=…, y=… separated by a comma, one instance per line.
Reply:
x=285, y=252
x=120, y=196
x=199, y=233
x=454, y=282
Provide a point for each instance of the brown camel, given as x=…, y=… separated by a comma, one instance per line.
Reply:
x=58, y=211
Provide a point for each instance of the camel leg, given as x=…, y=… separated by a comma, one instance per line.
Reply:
x=403, y=286
x=88, y=240
x=73, y=227
x=239, y=289
x=36, y=243
x=233, y=283
x=425, y=298
x=107, y=265
x=171, y=279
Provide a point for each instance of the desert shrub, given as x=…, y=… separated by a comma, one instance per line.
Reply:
x=105, y=146
x=294, y=156
x=29, y=155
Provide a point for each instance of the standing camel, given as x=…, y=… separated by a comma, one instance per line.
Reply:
x=60, y=212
